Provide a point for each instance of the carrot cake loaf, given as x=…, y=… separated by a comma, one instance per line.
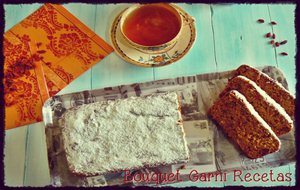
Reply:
x=270, y=86
x=277, y=118
x=130, y=133
x=237, y=117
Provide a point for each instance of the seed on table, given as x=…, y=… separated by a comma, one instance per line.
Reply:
x=283, y=42
x=268, y=35
x=273, y=36
x=277, y=44
x=272, y=42
x=284, y=53
x=261, y=20
x=273, y=22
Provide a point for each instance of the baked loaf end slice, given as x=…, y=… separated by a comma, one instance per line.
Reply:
x=236, y=116
x=272, y=88
x=108, y=136
x=274, y=115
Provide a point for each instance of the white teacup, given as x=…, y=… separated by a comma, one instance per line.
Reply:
x=153, y=27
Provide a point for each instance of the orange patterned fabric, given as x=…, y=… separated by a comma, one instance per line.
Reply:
x=43, y=54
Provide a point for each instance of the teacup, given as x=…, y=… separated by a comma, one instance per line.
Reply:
x=152, y=28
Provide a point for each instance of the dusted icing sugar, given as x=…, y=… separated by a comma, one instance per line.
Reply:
x=124, y=134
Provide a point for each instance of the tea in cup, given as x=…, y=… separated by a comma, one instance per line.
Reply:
x=151, y=28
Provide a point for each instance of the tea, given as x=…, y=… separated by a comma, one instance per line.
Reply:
x=152, y=24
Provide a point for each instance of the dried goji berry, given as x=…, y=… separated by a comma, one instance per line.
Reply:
x=268, y=35
x=283, y=42
x=284, y=53
x=261, y=20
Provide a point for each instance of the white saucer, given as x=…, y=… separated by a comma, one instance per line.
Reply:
x=131, y=55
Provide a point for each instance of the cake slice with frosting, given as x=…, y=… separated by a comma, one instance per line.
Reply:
x=239, y=120
x=270, y=86
x=272, y=112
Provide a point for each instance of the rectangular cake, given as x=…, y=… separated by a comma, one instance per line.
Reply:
x=108, y=136
x=272, y=112
x=270, y=86
x=237, y=117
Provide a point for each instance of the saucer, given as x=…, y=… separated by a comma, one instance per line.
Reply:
x=134, y=56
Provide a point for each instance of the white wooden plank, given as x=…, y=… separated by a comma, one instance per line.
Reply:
x=36, y=168
x=201, y=57
x=112, y=70
x=284, y=15
x=16, y=13
x=14, y=156
x=239, y=38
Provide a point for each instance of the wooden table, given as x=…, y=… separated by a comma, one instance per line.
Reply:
x=227, y=36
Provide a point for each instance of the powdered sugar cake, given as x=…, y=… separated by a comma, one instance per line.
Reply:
x=124, y=134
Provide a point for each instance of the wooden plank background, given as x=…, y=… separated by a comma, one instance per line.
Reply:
x=227, y=36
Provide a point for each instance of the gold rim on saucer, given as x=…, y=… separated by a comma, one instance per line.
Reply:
x=136, y=57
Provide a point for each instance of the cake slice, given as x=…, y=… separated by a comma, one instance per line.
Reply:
x=237, y=117
x=270, y=86
x=131, y=133
x=274, y=115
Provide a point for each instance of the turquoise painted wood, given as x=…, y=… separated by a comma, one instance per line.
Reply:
x=36, y=160
x=285, y=30
x=227, y=36
x=16, y=13
x=113, y=70
x=200, y=59
x=239, y=38
x=14, y=156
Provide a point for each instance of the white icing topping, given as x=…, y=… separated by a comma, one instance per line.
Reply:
x=254, y=113
x=268, y=99
x=276, y=82
x=123, y=134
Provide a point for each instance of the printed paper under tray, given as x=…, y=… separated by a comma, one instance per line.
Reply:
x=210, y=150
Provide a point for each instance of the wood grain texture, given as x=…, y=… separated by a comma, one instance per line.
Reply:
x=14, y=156
x=112, y=70
x=239, y=38
x=200, y=59
x=36, y=165
x=16, y=13
x=284, y=15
